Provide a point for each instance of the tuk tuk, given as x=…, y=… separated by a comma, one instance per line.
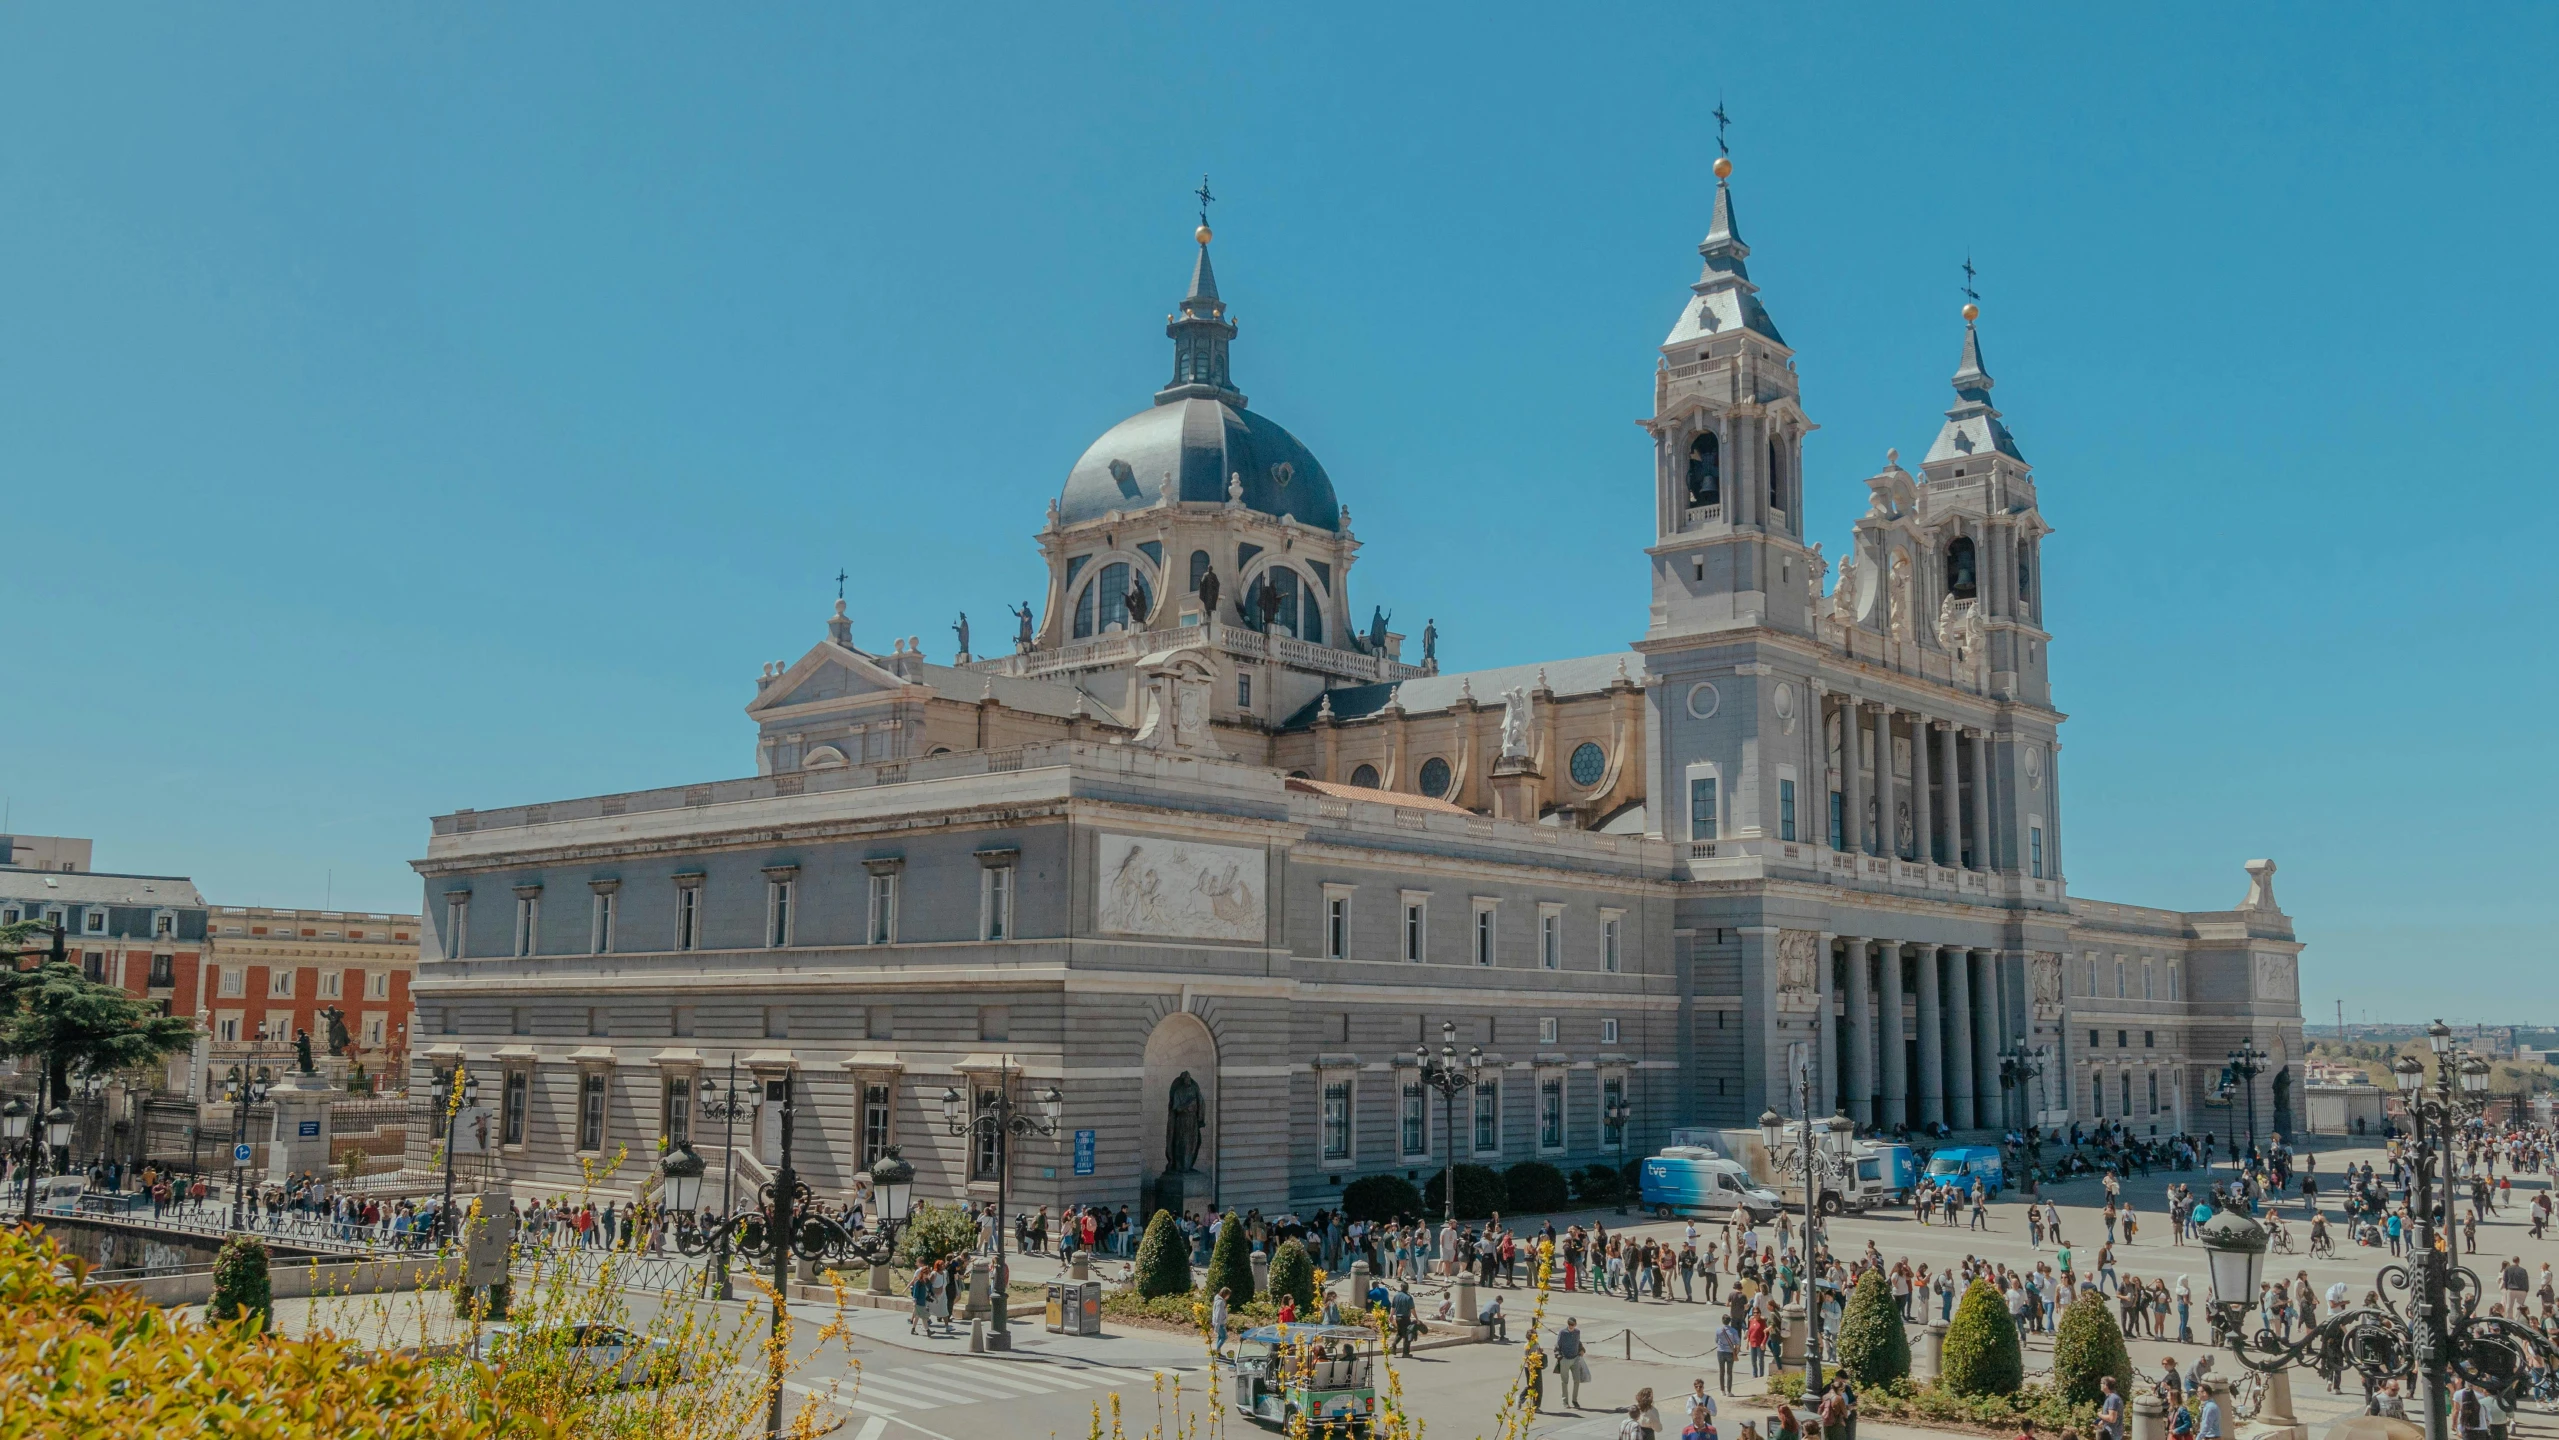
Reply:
x=1326, y=1373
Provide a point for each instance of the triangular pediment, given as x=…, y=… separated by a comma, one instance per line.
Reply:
x=828, y=673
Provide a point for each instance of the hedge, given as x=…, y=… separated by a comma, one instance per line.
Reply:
x=1598, y=1185
x=1230, y=1267
x=1873, y=1347
x=2087, y=1347
x=1480, y=1192
x=1293, y=1273
x=1533, y=1187
x=1380, y=1197
x=1982, y=1353
x=1163, y=1259
x=241, y=1285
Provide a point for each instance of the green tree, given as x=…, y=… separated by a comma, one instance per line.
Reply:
x=1982, y=1354
x=1163, y=1259
x=1480, y=1192
x=2087, y=1347
x=1873, y=1347
x=1293, y=1273
x=66, y=1022
x=240, y=1283
x=1533, y=1187
x=935, y=1233
x=1229, y=1268
x=1381, y=1197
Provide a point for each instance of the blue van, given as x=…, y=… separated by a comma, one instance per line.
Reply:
x=1683, y=1180
x=1962, y=1164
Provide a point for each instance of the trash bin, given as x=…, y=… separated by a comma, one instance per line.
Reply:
x=1076, y=1309
x=1054, y=1320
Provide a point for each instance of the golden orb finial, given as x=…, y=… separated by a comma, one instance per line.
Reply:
x=1972, y=312
x=1203, y=234
x=1723, y=167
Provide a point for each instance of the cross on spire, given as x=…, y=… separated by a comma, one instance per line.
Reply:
x=1721, y=121
x=1205, y=198
x=839, y=584
x=1969, y=292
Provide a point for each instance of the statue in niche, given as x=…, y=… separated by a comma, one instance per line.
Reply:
x=1946, y=624
x=1185, y=1121
x=1815, y=569
x=1898, y=593
x=1208, y=594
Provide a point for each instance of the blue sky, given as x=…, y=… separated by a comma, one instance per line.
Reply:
x=404, y=408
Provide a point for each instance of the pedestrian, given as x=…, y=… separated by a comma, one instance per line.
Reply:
x=1406, y=1320
x=1728, y=1344
x=1217, y=1313
x=1643, y=1422
x=2110, y=1410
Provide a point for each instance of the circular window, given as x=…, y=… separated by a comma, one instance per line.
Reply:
x=1435, y=777
x=1365, y=777
x=1589, y=763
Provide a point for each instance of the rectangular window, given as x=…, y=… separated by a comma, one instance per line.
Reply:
x=528, y=916
x=1785, y=809
x=93, y=921
x=1550, y=939
x=457, y=916
x=280, y=984
x=1609, y=957
x=2149, y=972
x=2123, y=1040
x=591, y=1109
x=675, y=1121
x=373, y=1029
x=1838, y=821
x=986, y=1145
x=1547, y=1029
x=1701, y=808
x=1414, y=915
x=1244, y=692
x=511, y=1121
x=875, y=1121
x=2127, y=1111
x=2154, y=1092
x=2093, y=1041
x=1550, y=1112
x=997, y=919
x=884, y=908
x=1415, y=1117
x=1484, y=913
x=332, y=984
x=2172, y=979
x=93, y=966
x=2096, y=1097
x=1337, y=924
x=377, y=984
x=688, y=917
x=2119, y=977
x=1337, y=1119
x=2035, y=850
x=164, y=970
x=777, y=913
x=1608, y=1032
x=1488, y=1117
x=164, y=926
x=230, y=984
x=2149, y=1039
x=1612, y=1111
x=599, y=929
x=227, y=1029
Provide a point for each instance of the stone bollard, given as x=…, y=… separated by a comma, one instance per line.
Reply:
x=1359, y=1285
x=1082, y=1269
x=2150, y=1418
x=1790, y=1350
x=1261, y=1273
x=2275, y=1420
x=1928, y=1358
x=978, y=1269
x=1465, y=1307
x=879, y=1283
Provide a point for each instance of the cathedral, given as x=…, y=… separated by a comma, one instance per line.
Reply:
x=1225, y=865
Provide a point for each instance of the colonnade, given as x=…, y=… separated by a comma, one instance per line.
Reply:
x=1870, y=1071
x=1950, y=819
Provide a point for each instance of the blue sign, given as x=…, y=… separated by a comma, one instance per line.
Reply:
x=1083, y=1152
x=310, y=1130
x=240, y=1153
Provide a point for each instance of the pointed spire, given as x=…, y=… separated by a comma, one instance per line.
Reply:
x=1722, y=239
x=1203, y=281
x=1971, y=381
x=1201, y=331
x=1726, y=298
x=1973, y=430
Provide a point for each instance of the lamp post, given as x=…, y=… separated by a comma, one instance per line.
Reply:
x=1772, y=1131
x=998, y=1122
x=724, y=1106
x=40, y=1127
x=1442, y=1073
x=17, y=1122
x=243, y=1089
x=2247, y=1062
x=2442, y=1333
x=787, y=1225
x=459, y=1096
x=2020, y=1067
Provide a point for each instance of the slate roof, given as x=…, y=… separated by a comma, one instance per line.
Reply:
x=1013, y=692
x=54, y=887
x=1587, y=675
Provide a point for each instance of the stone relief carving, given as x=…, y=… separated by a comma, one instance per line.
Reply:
x=1152, y=886
x=1899, y=597
x=1814, y=573
x=1798, y=959
x=2043, y=969
x=1843, y=596
x=2274, y=977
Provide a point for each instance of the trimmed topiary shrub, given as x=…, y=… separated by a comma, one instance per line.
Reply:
x=1982, y=1354
x=240, y=1283
x=1381, y=1197
x=1230, y=1265
x=1873, y=1347
x=935, y=1233
x=1533, y=1187
x=1293, y=1273
x=2087, y=1347
x=1598, y=1185
x=1480, y=1192
x=1163, y=1259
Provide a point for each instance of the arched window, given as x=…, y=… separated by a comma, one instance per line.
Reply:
x=1281, y=585
x=1589, y=763
x=1104, y=603
x=1959, y=568
x=1199, y=567
x=1365, y=777
x=1705, y=470
x=2024, y=588
x=1776, y=474
x=1435, y=777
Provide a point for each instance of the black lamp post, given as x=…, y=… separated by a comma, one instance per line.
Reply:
x=724, y=1106
x=39, y=1125
x=788, y=1225
x=2442, y=1332
x=455, y=1101
x=243, y=1089
x=999, y=1121
x=2247, y=1062
x=17, y=1125
x=2020, y=1067
x=1442, y=1073
x=1772, y=1132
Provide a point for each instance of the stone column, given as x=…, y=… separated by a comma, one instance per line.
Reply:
x=1825, y=1040
x=1896, y=1054
x=1817, y=764
x=1922, y=816
x=1954, y=794
x=1960, y=1111
x=1852, y=789
x=1932, y=1042
x=2052, y=810
x=1986, y=1037
x=1861, y=1036
x=1984, y=855
x=1887, y=833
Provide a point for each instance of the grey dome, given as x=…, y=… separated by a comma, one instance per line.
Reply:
x=1200, y=442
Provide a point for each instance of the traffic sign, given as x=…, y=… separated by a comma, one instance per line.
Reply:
x=240, y=1153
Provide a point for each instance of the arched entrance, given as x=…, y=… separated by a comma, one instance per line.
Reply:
x=1180, y=1045
x=2283, y=1101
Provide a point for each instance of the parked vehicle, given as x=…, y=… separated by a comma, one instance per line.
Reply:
x=606, y=1357
x=1326, y=1373
x=1962, y=1164
x=1692, y=1180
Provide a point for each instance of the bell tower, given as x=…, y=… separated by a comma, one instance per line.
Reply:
x=1978, y=496
x=1728, y=443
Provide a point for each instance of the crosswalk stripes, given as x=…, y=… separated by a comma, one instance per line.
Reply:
x=989, y=1375
x=930, y=1387
x=871, y=1429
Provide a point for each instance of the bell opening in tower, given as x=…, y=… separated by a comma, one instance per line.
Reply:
x=1705, y=471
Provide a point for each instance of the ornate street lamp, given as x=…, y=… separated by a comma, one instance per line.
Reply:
x=2442, y=1332
x=998, y=1122
x=454, y=1104
x=725, y=1106
x=1443, y=1074
x=1835, y=1134
x=2020, y=1067
x=2246, y=1063
x=17, y=1120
